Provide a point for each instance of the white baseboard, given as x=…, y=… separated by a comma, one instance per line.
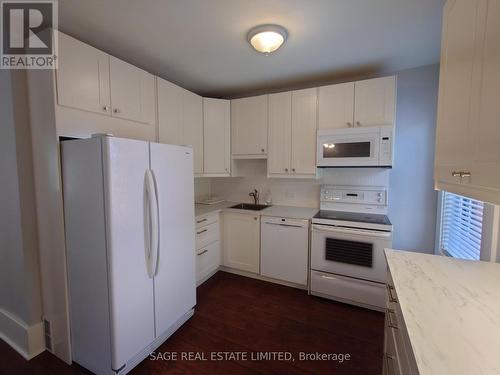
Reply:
x=27, y=340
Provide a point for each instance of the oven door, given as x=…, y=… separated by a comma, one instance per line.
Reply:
x=350, y=252
x=348, y=147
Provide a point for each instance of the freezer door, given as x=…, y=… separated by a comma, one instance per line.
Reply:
x=175, y=290
x=131, y=289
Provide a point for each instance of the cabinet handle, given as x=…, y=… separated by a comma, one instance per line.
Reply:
x=203, y=252
x=201, y=231
x=389, y=293
x=262, y=150
x=293, y=169
x=105, y=108
x=391, y=323
x=456, y=174
x=465, y=174
x=255, y=218
x=349, y=124
x=286, y=169
x=358, y=123
x=116, y=110
x=200, y=221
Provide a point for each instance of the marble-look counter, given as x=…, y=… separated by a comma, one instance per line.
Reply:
x=451, y=310
x=291, y=212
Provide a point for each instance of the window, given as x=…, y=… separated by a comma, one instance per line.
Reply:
x=461, y=226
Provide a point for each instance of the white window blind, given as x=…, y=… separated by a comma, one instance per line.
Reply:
x=461, y=226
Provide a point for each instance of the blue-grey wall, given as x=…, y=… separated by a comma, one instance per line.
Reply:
x=413, y=201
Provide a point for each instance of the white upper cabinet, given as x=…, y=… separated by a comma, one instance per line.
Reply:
x=467, y=157
x=192, y=116
x=304, y=126
x=82, y=76
x=280, y=134
x=336, y=106
x=132, y=92
x=249, y=127
x=180, y=119
x=375, y=101
x=216, y=137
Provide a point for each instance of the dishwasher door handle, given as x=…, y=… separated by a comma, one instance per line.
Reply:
x=286, y=225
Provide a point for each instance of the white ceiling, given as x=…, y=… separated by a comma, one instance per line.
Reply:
x=201, y=44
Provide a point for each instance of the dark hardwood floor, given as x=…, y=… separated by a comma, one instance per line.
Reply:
x=238, y=314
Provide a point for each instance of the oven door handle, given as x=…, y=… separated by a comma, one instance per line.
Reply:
x=363, y=232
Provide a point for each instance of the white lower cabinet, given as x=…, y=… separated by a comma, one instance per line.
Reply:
x=241, y=241
x=208, y=249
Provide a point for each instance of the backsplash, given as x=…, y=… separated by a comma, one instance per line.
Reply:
x=285, y=191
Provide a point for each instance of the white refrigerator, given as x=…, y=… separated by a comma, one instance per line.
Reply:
x=129, y=217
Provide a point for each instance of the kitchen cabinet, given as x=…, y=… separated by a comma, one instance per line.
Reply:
x=467, y=154
x=216, y=137
x=82, y=76
x=208, y=248
x=132, y=92
x=292, y=134
x=241, y=241
x=371, y=102
x=336, y=106
x=304, y=126
x=375, y=101
x=180, y=119
x=280, y=134
x=249, y=127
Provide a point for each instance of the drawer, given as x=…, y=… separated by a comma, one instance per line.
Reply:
x=349, y=290
x=391, y=359
x=207, y=234
x=207, y=260
x=201, y=221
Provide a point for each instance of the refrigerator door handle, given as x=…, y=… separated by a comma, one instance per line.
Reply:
x=150, y=222
x=156, y=227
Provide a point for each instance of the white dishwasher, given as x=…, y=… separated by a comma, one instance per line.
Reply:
x=284, y=249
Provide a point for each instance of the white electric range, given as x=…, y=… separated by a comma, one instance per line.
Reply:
x=348, y=238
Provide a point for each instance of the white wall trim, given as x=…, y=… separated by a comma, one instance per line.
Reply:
x=26, y=340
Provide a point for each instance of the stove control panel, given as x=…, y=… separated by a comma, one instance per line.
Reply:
x=354, y=195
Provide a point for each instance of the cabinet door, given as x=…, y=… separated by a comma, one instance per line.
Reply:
x=336, y=106
x=192, y=126
x=304, y=124
x=280, y=133
x=459, y=70
x=132, y=92
x=375, y=101
x=249, y=126
x=241, y=241
x=216, y=137
x=169, y=112
x=486, y=165
x=82, y=76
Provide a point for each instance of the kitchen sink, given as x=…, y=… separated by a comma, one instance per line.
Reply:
x=249, y=206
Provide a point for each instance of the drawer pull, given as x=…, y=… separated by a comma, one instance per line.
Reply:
x=389, y=293
x=390, y=322
x=389, y=364
x=201, y=221
x=202, y=252
x=201, y=231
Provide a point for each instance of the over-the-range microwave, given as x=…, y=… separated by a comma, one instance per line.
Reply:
x=355, y=147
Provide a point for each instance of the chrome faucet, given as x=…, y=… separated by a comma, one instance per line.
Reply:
x=255, y=195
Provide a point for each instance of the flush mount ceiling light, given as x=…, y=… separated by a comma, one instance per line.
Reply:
x=267, y=38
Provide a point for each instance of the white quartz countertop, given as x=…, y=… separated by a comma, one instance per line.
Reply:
x=451, y=309
x=291, y=212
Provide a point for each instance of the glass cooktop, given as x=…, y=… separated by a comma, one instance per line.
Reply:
x=353, y=216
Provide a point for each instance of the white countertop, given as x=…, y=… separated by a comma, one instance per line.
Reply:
x=451, y=309
x=291, y=212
